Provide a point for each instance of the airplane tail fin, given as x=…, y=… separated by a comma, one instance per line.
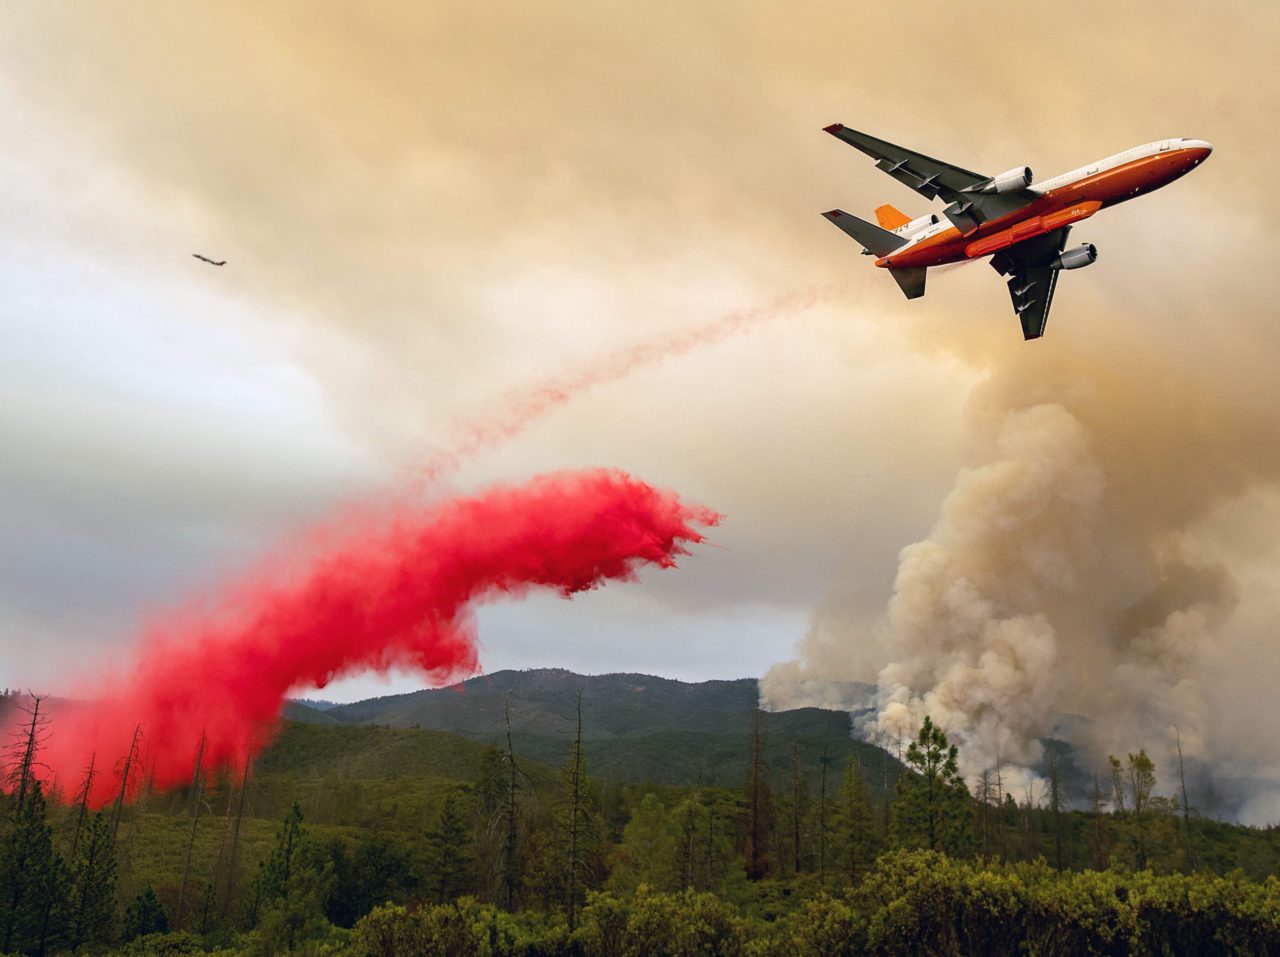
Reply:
x=876, y=241
x=890, y=217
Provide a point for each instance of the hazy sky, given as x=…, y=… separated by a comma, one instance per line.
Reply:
x=426, y=206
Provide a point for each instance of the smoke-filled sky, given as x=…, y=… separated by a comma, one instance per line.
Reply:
x=428, y=207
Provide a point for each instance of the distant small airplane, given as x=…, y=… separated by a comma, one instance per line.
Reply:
x=211, y=262
x=1022, y=227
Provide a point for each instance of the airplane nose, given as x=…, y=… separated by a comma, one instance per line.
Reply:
x=1198, y=145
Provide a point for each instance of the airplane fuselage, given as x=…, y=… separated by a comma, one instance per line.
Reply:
x=1061, y=201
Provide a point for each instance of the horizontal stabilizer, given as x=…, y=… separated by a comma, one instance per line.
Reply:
x=910, y=280
x=872, y=238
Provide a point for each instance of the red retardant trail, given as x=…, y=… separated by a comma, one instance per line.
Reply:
x=524, y=407
x=400, y=596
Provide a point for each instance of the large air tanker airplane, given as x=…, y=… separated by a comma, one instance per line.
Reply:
x=1022, y=227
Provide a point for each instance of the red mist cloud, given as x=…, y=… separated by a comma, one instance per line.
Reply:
x=401, y=594
x=396, y=593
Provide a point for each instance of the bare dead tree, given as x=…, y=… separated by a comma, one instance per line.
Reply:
x=24, y=751
x=1187, y=819
x=24, y=754
x=983, y=792
x=575, y=806
x=125, y=770
x=197, y=788
x=1055, y=807
x=82, y=804
x=230, y=882
x=511, y=813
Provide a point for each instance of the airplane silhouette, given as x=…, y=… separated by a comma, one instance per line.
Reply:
x=211, y=262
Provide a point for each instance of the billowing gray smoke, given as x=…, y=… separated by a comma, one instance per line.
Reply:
x=1067, y=570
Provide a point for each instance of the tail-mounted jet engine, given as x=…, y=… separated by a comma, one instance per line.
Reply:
x=917, y=225
x=1076, y=258
x=1010, y=181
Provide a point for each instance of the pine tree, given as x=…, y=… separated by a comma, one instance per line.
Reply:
x=932, y=808
x=448, y=845
x=32, y=878
x=32, y=875
x=856, y=824
x=272, y=881
x=93, y=885
x=145, y=916
x=290, y=892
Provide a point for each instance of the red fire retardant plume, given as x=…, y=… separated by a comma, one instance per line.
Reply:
x=400, y=596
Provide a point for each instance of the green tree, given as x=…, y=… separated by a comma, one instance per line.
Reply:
x=1132, y=783
x=1142, y=781
x=274, y=872
x=449, y=853
x=93, y=885
x=648, y=852
x=379, y=868
x=297, y=915
x=145, y=916
x=290, y=891
x=932, y=809
x=32, y=878
x=855, y=825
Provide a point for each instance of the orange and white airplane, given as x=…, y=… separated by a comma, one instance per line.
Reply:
x=1022, y=227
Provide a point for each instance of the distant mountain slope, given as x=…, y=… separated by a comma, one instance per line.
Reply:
x=636, y=728
x=306, y=714
x=620, y=705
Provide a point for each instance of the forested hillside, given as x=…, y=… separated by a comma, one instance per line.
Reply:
x=770, y=835
x=636, y=727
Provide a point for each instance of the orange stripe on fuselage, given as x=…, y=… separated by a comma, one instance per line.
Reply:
x=1056, y=208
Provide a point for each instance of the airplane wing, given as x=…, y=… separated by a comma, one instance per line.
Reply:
x=932, y=178
x=1031, y=279
x=927, y=176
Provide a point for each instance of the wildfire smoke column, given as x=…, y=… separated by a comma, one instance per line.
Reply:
x=399, y=595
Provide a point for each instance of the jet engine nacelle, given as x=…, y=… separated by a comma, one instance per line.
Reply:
x=916, y=225
x=1010, y=181
x=1076, y=258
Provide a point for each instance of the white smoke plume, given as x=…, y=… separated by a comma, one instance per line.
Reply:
x=1063, y=574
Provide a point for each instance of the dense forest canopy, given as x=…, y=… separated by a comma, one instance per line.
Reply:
x=714, y=829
